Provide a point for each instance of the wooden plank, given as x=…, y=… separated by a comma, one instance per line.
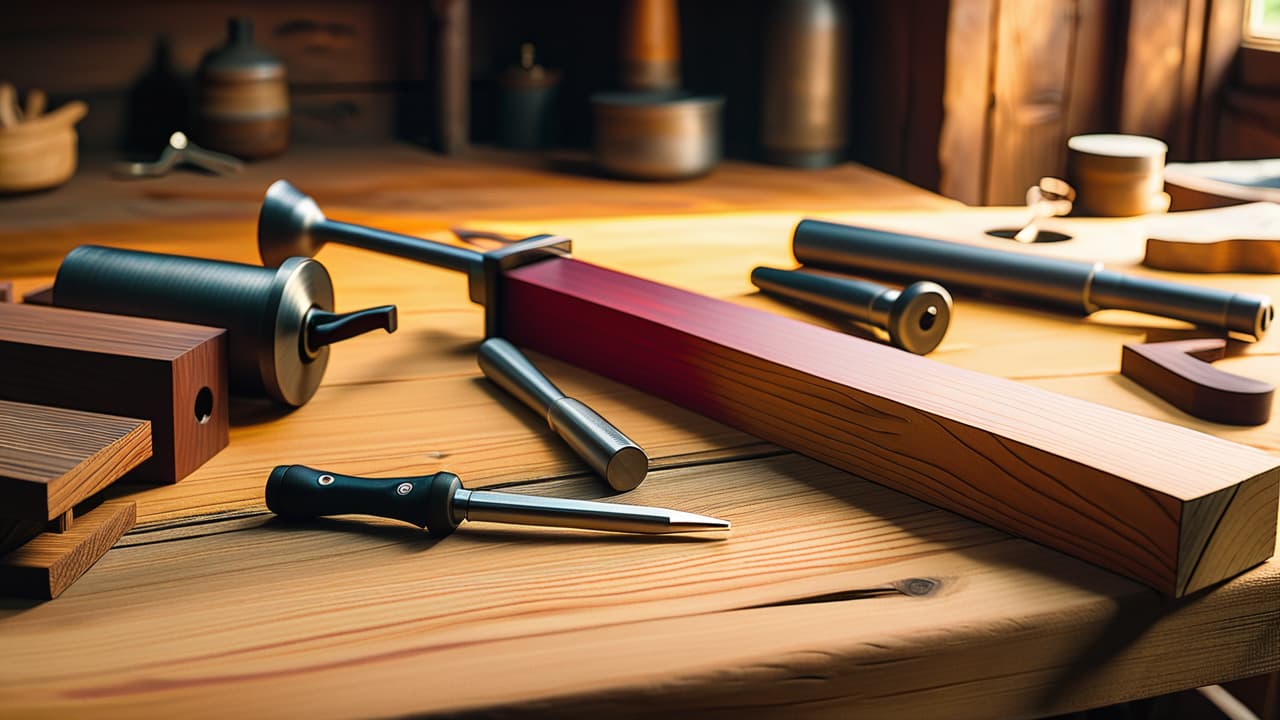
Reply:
x=171, y=374
x=1030, y=85
x=51, y=459
x=1223, y=33
x=1117, y=497
x=1090, y=99
x=963, y=150
x=1150, y=92
x=47, y=565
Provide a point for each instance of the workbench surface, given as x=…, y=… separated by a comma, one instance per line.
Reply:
x=831, y=595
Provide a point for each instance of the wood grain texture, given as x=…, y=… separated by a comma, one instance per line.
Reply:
x=1242, y=239
x=583, y=625
x=48, y=564
x=962, y=146
x=1179, y=371
x=136, y=367
x=51, y=459
x=1152, y=85
x=1102, y=485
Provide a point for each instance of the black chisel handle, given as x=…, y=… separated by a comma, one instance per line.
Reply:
x=297, y=491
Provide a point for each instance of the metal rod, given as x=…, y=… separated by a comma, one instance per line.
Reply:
x=916, y=317
x=405, y=246
x=609, y=452
x=486, y=506
x=1080, y=286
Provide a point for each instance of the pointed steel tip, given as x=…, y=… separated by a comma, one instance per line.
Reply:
x=690, y=522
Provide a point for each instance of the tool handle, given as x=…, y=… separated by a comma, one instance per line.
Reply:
x=297, y=491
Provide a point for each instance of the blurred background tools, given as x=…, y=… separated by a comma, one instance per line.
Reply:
x=806, y=83
x=440, y=504
x=915, y=317
x=652, y=129
x=243, y=105
x=279, y=321
x=1075, y=285
x=527, y=109
x=1117, y=175
x=37, y=149
x=613, y=455
x=180, y=151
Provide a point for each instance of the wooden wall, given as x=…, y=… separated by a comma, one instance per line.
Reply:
x=350, y=64
x=1022, y=77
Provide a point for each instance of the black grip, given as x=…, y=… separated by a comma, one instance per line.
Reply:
x=297, y=491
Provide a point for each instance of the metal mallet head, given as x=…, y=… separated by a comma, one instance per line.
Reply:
x=285, y=223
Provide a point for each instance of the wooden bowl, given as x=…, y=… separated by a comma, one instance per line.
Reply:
x=42, y=153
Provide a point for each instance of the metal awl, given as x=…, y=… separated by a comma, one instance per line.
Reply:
x=440, y=504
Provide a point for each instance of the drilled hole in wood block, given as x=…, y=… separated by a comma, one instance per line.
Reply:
x=204, y=405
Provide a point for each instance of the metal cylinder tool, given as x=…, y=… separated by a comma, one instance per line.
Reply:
x=1072, y=284
x=279, y=321
x=621, y=462
x=915, y=317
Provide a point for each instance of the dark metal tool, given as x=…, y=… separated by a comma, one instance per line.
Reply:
x=1072, y=284
x=291, y=224
x=915, y=317
x=621, y=462
x=279, y=321
x=440, y=504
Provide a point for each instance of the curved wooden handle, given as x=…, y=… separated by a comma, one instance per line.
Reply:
x=1180, y=373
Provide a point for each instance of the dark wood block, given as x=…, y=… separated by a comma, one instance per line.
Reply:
x=1170, y=507
x=1179, y=371
x=52, y=459
x=171, y=374
x=49, y=563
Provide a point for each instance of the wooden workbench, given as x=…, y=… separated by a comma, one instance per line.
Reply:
x=831, y=597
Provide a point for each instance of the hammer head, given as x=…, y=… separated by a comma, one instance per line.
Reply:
x=285, y=223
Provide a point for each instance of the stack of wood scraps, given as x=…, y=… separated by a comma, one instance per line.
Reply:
x=37, y=150
x=87, y=399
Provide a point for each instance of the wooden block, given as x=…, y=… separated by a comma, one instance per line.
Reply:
x=1242, y=238
x=48, y=564
x=52, y=459
x=171, y=374
x=1179, y=371
x=1173, y=508
x=6, y=291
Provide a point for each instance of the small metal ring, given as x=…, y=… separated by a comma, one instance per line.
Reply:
x=325, y=479
x=404, y=488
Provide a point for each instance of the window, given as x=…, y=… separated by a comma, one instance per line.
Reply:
x=1262, y=22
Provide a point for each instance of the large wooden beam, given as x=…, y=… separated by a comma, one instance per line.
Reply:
x=1170, y=507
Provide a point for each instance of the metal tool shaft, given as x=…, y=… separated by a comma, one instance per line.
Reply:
x=1080, y=286
x=405, y=246
x=916, y=317
x=481, y=505
x=621, y=462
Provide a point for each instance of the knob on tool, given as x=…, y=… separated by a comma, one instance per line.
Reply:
x=440, y=504
x=916, y=317
x=619, y=460
x=279, y=321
